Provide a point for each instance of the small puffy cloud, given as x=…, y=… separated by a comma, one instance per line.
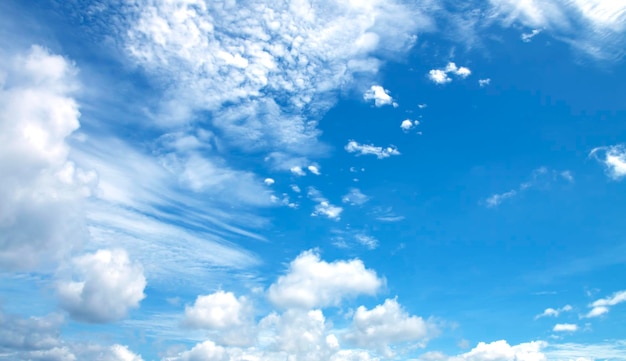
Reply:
x=218, y=310
x=552, y=312
x=601, y=306
x=379, y=95
x=527, y=37
x=297, y=170
x=269, y=181
x=104, y=287
x=496, y=199
x=314, y=168
x=613, y=158
x=409, y=124
x=565, y=327
x=422, y=106
x=355, y=197
x=365, y=149
x=386, y=324
x=311, y=282
x=484, y=82
x=295, y=188
x=441, y=76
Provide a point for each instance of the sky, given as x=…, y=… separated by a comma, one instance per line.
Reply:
x=433, y=180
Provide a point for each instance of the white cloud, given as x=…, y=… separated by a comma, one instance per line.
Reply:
x=565, y=327
x=263, y=54
x=385, y=324
x=613, y=158
x=269, y=181
x=484, y=82
x=552, y=312
x=367, y=240
x=41, y=190
x=295, y=188
x=440, y=76
x=355, y=197
x=219, y=310
x=324, y=207
x=409, y=124
x=500, y=351
x=593, y=26
x=297, y=170
x=315, y=169
x=365, y=149
x=379, y=95
x=495, y=199
x=104, y=286
x=527, y=37
x=311, y=282
x=601, y=306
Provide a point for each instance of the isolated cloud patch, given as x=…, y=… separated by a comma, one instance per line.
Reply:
x=311, y=282
x=554, y=312
x=370, y=149
x=104, y=287
x=379, y=95
x=613, y=158
x=565, y=327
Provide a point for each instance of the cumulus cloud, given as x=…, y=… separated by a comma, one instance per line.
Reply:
x=409, y=124
x=315, y=169
x=379, y=95
x=602, y=306
x=385, y=324
x=565, y=327
x=441, y=76
x=41, y=190
x=355, y=197
x=269, y=181
x=297, y=170
x=613, y=158
x=39, y=338
x=367, y=149
x=484, y=82
x=311, y=282
x=554, y=312
x=500, y=351
x=219, y=310
x=104, y=286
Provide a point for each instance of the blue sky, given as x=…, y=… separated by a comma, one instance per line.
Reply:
x=312, y=180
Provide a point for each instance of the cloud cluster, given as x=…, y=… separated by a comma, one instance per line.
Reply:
x=300, y=331
x=370, y=149
x=601, y=306
x=103, y=286
x=323, y=206
x=277, y=65
x=409, y=124
x=441, y=76
x=41, y=190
